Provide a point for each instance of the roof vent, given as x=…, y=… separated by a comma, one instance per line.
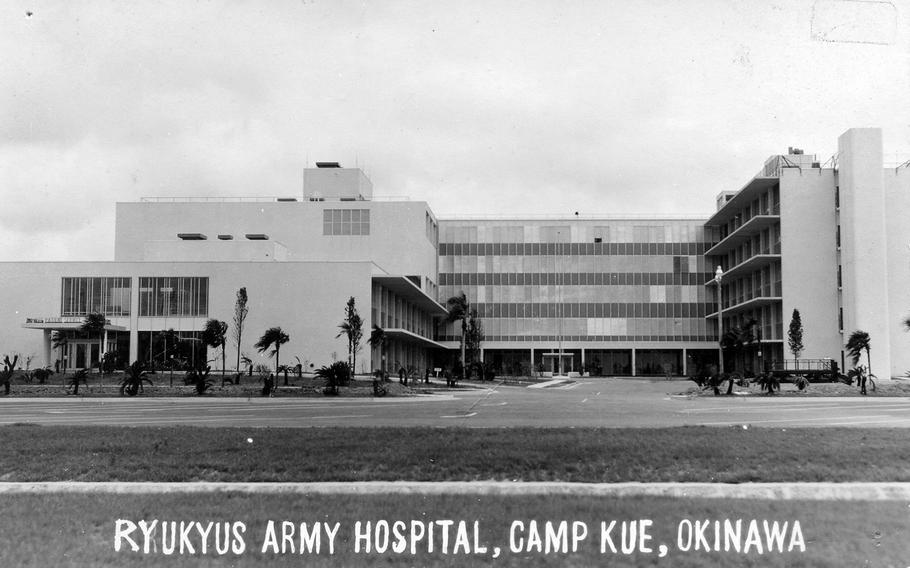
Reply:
x=191, y=236
x=328, y=165
x=257, y=236
x=225, y=237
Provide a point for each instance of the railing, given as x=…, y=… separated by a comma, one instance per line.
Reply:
x=571, y=217
x=200, y=199
x=265, y=199
x=802, y=365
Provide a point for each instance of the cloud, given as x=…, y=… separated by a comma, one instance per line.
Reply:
x=484, y=107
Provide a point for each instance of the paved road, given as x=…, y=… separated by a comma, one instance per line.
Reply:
x=587, y=402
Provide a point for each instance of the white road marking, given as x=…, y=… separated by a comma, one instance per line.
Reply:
x=546, y=384
x=470, y=414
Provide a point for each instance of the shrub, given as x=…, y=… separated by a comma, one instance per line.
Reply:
x=131, y=383
x=78, y=377
x=768, y=382
x=801, y=382
x=335, y=375
x=200, y=380
x=268, y=384
x=42, y=374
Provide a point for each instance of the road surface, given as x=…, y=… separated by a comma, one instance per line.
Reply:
x=582, y=403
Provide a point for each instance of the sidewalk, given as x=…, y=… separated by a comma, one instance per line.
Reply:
x=822, y=491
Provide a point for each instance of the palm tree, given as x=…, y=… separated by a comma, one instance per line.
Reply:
x=94, y=324
x=214, y=334
x=352, y=328
x=59, y=341
x=858, y=342
x=459, y=311
x=272, y=336
x=736, y=339
x=379, y=339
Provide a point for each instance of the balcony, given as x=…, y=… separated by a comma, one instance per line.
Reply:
x=746, y=305
x=752, y=190
x=764, y=296
x=744, y=232
x=750, y=265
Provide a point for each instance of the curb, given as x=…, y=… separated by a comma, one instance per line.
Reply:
x=822, y=491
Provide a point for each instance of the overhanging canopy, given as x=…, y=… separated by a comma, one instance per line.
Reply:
x=409, y=336
x=409, y=291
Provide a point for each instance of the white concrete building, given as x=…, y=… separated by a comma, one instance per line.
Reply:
x=180, y=262
x=620, y=296
x=830, y=240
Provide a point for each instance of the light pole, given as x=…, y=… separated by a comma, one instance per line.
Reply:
x=559, y=279
x=718, y=276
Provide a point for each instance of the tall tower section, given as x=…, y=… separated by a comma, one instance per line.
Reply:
x=864, y=247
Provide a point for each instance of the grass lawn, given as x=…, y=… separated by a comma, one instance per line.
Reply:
x=79, y=530
x=701, y=454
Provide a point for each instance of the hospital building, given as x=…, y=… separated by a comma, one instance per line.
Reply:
x=610, y=296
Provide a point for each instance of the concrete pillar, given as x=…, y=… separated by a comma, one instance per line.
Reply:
x=582, y=360
x=134, y=320
x=685, y=363
x=633, y=362
x=47, y=348
x=532, y=370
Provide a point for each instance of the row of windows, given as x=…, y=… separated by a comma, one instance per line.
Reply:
x=174, y=296
x=592, y=338
x=109, y=295
x=577, y=249
x=574, y=279
x=593, y=309
x=580, y=231
x=565, y=294
x=590, y=327
x=346, y=222
x=556, y=263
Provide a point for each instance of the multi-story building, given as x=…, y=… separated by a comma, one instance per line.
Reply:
x=610, y=296
x=829, y=240
x=181, y=261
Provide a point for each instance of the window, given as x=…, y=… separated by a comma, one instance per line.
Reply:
x=346, y=222
x=174, y=296
x=84, y=295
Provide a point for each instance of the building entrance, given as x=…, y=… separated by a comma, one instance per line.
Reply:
x=81, y=354
x=551, y=362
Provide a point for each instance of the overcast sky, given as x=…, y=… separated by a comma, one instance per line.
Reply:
x=476, y=107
